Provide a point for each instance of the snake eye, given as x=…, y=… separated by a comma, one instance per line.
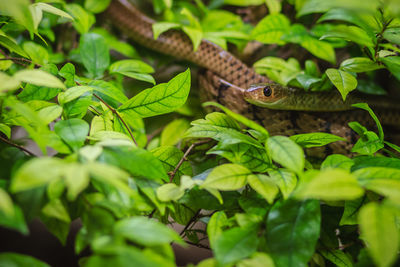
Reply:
x=267, y=91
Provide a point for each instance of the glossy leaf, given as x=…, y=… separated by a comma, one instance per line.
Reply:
x=270, y=29
x=94, y=54
x=227, y=177
x=286, y=152
x=38, y=77
x=315, y=139
x=264, y=185
x=72, y=131
x=343, y=81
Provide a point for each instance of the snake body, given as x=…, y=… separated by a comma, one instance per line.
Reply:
x=227, y=78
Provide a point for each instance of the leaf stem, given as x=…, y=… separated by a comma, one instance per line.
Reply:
x=114, y=111
x=172, y=174
x=17, y=146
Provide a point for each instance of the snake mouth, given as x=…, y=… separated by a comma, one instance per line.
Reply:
x=276, y=104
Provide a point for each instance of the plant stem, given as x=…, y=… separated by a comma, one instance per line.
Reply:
x=17, y=146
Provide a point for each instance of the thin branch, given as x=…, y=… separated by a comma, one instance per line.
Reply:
x=17, y=59
x=114, y=111
x=198, y=245
x=192, y=220
x=184, y=157
x=17, y=146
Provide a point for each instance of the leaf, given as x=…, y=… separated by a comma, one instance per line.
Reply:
x=170, y=157
x=96, y=6
x=6, y=204
x=227, y=177
x=73, y=93
x=392, y=35
x=5, y=129
x=315, y=139
x=160, y=27
x=331, y=185
x=271, y=28
x=293, y=229
x=53, y=10
x=162, y=98
x=36, y=52
x=215, y=226
x=38, y=77
x=285, y=180
x=108, y=89
x=386, y=187
x=72, y=131
x=365, y=106
x=83, y=20
x=12, y=46
x=319, y=49
x=94, y=54
x=366, y=173
x=8, y=82
x=350, y=33
x=359, y=64
x=195, y=36
x=19, y=10
x=31, y=175
x=55, y=209
x=14, y=259
x=135, y=69
x=76, y=180
x=393, y=65
x=286, y=152
x=169, y=192
x=235, y=244
x=146, y=232
x=337, y=161
x=264, y=185
x=174, y=132
x=257, y=260
x=249, y=123
x=136, y=161
x=343, y=81
x=351, y=209
x=337, y=257
x=378, y=229
x=368, y=144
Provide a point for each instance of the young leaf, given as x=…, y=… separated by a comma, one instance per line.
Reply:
x=83, y=20
x=38, y=77
x=270, y=29
x=174, y=132
x=8, y=82
x=293, y=229
x=337, y=161
x=94, y=54
x=359, y=64
x=73, y=132
x=135, y=69
x=351, y=33
x=343, y=81
x=378, y=229
x=286, y=152
x=169, y=192
x=235, y=244
x=264, y=185
x=365, y=106
x=337, y=257
x=315, y=139
x=96, y=6
x=162, y=98
x=227, y=177
x=285, y=179
x=146, y=232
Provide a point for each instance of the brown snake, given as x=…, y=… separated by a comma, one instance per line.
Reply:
x=226, y=78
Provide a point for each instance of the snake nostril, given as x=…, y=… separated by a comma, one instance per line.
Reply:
x=267, y=91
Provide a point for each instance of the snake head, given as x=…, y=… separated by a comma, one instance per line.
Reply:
x=264, y=94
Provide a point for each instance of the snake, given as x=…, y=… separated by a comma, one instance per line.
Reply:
x=230, y=82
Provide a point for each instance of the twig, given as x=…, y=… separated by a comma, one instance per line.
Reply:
x=114, y=111
x=172, y=174
x=189, y=223
x=17, y=59
x=154, y=133
x=17, y=146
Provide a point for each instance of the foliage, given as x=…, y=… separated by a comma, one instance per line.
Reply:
x=91, y=106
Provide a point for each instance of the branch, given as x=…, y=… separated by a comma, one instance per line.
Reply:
x=189, y=223
x=17, y=146
x=114, y=111
x=198, y=245
x=184, y=157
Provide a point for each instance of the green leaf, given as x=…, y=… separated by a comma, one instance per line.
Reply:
x=343, y=81
x=96, y=6
x=368, y=144
x=135, y=69
x=14, y=259
x=170, y=157
x=53, y=10
x=56, y=209
x=5, y=129
x=319, y=49
x=392, y=35
x=285, y=180
x=257, y=260
x=235, y=244
x=19, y=10
x=293, y=229
x=72, y=131
x=350, y=33
x=337, y=161
x=271, y=28
x=76, y=180
x=36, y=52
x=146, y=232
x=108, y=89
x=174, y=132
x=73, y=93
x=227, y=177
x=393, y=65
x=359, y=64
x=162, y=98
x=94, y=53
x=38, y=77
x=215, y=226
x=249, y=123
x=286, y=152
x=331, y=185
x=386, y=187
x=31, y=174
x=315, y=139
x=195, y=36
x=115, y=44
x=160, y=27
x=337, y=257
x=317, y=6
x=6, y=204
x=169, y=192
x=365, y=106
x=351, y=209
x=136, y=161
x=8, y=82
x=378, y=229
x=83, y=20
x=364, y=174
x=264, y=185
x=12, y=46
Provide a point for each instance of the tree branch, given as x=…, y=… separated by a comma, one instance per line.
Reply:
x=17, y=146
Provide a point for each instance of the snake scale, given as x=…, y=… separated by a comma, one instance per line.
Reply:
x=226, y=78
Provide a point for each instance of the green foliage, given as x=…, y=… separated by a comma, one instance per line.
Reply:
x=121, y=144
